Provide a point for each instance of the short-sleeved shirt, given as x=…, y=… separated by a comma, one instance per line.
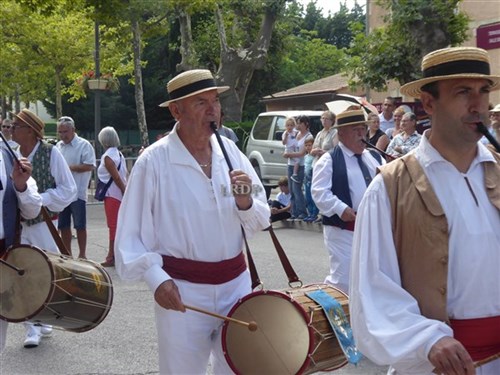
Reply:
x=79, y=151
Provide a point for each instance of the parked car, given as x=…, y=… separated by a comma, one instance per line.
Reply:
x=265, y=148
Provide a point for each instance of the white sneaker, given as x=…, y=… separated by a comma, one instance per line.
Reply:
x=46, y=330
x=32, y=339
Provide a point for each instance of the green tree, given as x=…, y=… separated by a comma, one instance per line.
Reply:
x=413, y=28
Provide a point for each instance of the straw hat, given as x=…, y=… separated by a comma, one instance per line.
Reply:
x=350, y=117
x=190, y=83
x=452, y=63
x=496, y=109
x=32, y=120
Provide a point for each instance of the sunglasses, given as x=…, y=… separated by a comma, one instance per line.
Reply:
x=6, y=126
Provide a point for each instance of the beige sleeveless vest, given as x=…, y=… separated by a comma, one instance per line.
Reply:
x=421, y=238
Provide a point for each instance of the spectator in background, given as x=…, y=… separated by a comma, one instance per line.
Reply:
x=495, y=121
x=80, y=156
x=492, y=124
x=289, y=140
x=387, y=117
x=326, y=139
x=374, y=135
x=408, y=139
x=312, y=210
x=113, y=166
x=398, y=116
x=280, y=207
x=225, y=131
x=7, y=133
x=299, y=211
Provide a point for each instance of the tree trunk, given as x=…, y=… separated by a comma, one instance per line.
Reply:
x=188, y=54
x=139, y=95
x=58, y=94
x=237, y=65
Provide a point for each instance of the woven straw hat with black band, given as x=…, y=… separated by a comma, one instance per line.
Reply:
x=32, y=120
x=352, y=117
x=191, y=83
x=453, y=63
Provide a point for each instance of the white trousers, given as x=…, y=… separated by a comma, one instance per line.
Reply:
x=338, y=242
x=38, y=235
x=186, y=340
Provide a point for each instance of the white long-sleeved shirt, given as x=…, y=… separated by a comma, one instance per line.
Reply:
x=328, y=203
x=387, y=324
x=65, y=191
x=171, y=207
x=29, y=201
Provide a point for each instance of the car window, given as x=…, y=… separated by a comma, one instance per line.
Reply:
x=262, y=126
x=279, y=128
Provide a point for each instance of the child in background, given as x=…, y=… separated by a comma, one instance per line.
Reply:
x=308, y=172
x=280, y=207
x=289, y=139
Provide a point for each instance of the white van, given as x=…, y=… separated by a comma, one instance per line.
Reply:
x=265, y=148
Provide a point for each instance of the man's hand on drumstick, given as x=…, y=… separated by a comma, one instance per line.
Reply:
x=167, y=296
x=449, y=357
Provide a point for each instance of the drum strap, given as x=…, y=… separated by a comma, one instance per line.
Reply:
x=54, y=232
x=287, y=266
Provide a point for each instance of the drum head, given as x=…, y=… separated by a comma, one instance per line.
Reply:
x=280, y=345
x=23, y=296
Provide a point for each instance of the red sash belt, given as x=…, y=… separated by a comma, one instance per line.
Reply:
x=481, y=337
x=204, y=272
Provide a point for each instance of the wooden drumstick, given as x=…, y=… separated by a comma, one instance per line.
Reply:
x=486, y=360
x=252, y=326
x=483, y=361
x=19, y=271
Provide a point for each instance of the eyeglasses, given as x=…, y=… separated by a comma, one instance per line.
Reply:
x=6, y=126
x=17, y=126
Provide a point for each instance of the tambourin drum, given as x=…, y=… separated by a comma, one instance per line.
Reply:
x=75, y=295
x=293, y=335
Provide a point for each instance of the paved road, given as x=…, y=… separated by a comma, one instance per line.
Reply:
x=125, y=342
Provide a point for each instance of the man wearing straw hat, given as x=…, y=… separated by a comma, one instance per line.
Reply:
x=340, y=178
x=17, y=190
x=56, y=186
x=425, y=280
x=183, y=237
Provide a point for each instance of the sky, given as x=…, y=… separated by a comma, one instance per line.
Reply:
x=331, y=5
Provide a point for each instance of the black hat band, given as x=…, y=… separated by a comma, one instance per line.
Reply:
x=458, y=67
x=192, y=87
x=348, y=120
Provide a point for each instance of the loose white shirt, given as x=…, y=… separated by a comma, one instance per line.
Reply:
x=321, y=187
x=79, y=151
x=60, y=196
x=387, y=324
x=29, y=201
x=171, y=207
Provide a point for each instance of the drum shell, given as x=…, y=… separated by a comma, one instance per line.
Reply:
x=307, y=343
x=75, y=295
